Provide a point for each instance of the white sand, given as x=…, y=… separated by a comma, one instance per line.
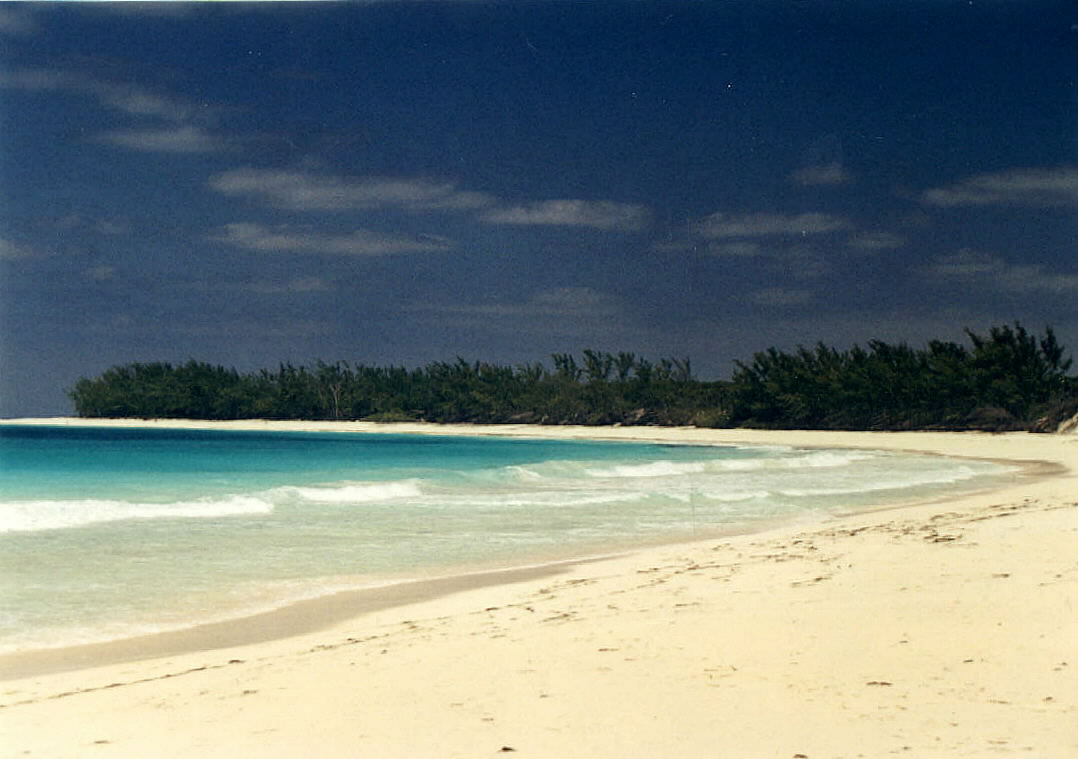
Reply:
x=938, y=630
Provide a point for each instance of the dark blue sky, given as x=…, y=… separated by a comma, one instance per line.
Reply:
x=404, y=182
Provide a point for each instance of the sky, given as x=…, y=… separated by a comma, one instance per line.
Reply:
x=403, y=182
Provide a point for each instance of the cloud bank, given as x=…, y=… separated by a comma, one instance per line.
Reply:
x=993, y=272
x=184, y=139
x=361, y=242
x=120, y=96
x=830, y=174
x=1038, y=187
x=597, y=214
x=306, y=191
x=721, y=225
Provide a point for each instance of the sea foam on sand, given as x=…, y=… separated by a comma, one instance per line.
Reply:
x=935, y=630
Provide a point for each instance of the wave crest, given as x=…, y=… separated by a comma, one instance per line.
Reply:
x=358, y=492
x=35, y=516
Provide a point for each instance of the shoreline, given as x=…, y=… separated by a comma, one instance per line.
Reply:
x=299, y=616
x=316, y=613
x=914, y=441
x=291, y=620
x=670, y=607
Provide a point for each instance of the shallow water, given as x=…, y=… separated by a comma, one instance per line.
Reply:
x=111, y=532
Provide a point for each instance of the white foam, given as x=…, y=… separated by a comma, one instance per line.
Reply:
x=913, y=480
x=651, y=469
x=734, y=496
x=827, y=459
x=34, y=516
x=814, y=460
x=558, y=498
x=524, y=473
x=364, y=492
x=454, y=515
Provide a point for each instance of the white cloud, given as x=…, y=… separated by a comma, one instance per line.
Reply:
x=1034, y=279
x=361, y=242
x=138, y=102
x=781, y=296
x=993, y=272
x=100, y=273
x=598, y=214
x=302, y=190
x=292, y=286
x=966, y=263
x=121, y=96
x=183, y=139
x=722, y=225
x=873, y=241
x=10, y=250
x=1038, y=187
x=34, y=79
x=824, y=174
x=571, y=303
x=129, y=99
x=112, y=227
x=305, y=191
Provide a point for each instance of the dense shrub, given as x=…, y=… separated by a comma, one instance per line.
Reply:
x=1005, y=380
x=1008, y=379
x=603, y=389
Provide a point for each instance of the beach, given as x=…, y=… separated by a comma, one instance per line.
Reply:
x=936, y=629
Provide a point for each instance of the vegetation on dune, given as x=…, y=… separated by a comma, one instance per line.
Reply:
x=1007, y=379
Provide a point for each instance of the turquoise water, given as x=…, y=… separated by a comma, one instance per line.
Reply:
x=109, y=532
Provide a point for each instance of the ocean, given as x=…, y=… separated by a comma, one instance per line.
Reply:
x=107, y=533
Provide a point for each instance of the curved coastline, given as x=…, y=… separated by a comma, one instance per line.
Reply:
x=304, y=613
x=964, y=531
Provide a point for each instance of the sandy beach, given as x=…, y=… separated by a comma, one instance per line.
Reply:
x=944, y=629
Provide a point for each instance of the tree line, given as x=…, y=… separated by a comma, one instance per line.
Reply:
x=600, y=388
x=1007, y=379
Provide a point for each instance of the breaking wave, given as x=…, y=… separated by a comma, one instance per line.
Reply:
x=33, y=516
x=745, y=475
x=356, y=492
